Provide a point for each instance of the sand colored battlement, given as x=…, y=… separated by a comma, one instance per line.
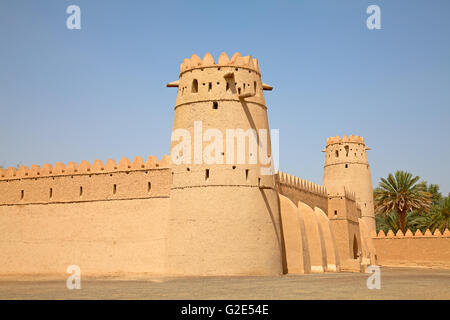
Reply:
x=345, y=139
x=85, y=182
x=237, y=60
x=301, y=184
x=108, y=218
x=297, y=189
x=345, y=152
x=72, y=168
x=424, y=250
x=217, y=86
x=409, y=234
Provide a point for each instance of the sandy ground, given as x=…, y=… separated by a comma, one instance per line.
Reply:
x=396, y=283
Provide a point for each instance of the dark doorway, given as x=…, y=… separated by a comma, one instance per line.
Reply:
x=355, y=248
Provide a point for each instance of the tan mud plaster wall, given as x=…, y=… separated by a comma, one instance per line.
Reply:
x=295, y=241
x=316, y=243
x=105, y=219
x=297, y=189
x=239, y=237
x=425, y=251
x=101, y=237
x=333, y=262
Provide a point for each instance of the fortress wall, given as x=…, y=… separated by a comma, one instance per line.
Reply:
x=368, y=249
x=103, y=229
x=314, y=234
x=297, y=189
x=101, y=237
x=425, y=250
x=295, y=241
x=333, y=261
x=61, y=184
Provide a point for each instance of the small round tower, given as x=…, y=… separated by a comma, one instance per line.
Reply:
x=224, y=209
x=346, y=165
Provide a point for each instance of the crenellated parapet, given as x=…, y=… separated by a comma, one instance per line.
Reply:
x=297, y=189
x=428, y=249
x=301, y=184
x=237, y=60
x=215, y=86
x=345, y=139
x=345, y=152
x=85, y=182
x=408, y=234
x=72, y=168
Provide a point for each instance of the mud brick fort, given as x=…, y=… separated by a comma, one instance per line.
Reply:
x=170, y=218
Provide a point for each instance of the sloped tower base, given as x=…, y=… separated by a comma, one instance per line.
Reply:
x=208, y=235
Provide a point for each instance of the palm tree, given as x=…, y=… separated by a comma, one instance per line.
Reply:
x=387, y=222
x=436, y=195
x=401, y=193
x=440, y=216
x=414, y=220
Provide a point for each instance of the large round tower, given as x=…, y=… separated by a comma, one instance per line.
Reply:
x=346, y=165
x=224, y=210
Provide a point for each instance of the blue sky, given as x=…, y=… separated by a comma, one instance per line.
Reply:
x=99, y=92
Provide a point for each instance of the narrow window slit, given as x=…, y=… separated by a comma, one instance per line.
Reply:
x=194, y=86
